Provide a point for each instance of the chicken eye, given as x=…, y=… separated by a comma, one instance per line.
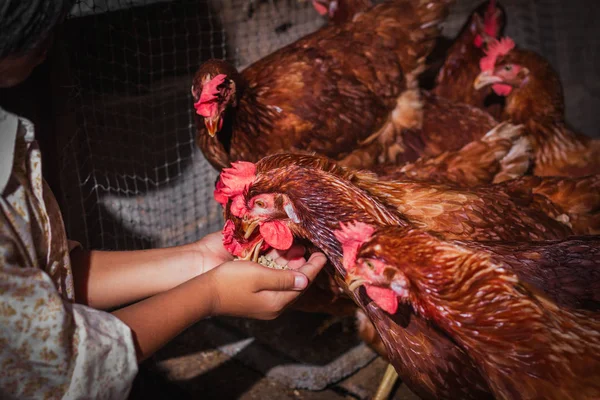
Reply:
x=370, y=265
x=259, y=203
x=508, y=67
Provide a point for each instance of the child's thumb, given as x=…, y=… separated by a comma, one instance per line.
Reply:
x=285, y=280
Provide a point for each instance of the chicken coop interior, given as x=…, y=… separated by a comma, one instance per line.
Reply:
x=121, y=155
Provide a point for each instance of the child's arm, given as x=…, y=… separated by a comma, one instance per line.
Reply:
x=108, y=279
x=235, y=288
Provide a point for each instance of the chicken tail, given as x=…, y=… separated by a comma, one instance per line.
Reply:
x=430, y=14
x=502, y=154
x=519, y=158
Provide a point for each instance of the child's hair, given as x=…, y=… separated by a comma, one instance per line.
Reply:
x=26, y=23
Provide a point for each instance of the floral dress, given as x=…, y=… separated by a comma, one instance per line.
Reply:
x=50, y=347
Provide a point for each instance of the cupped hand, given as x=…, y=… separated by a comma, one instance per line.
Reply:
x=247, y=289
x=211, y=252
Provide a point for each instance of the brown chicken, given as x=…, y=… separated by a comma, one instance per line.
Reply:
x=514, y=210
x=326, y=94
x=526, y=314
x=242, y=239
x=501, y=154
x=323, y=93
x=287, y=196
x=527, y=208
x=340, y=11
x=534, y=97
x=461, y=65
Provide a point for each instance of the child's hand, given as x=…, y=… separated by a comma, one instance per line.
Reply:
x=247, y=289
x=211, y=251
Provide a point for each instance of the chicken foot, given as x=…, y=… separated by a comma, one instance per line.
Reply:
x=387, y=383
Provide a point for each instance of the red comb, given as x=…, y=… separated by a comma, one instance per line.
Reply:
x=218, y=194
x=321, y=9
x=490, y=23
x=496, y=49
x=354, y=231
x=232, y=183
x=207, y=104
x=238, y=206
x=234, y=180
x=351, y=237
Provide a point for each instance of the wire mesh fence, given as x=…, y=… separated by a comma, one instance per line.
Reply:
x=132, y=167
x=132, y=176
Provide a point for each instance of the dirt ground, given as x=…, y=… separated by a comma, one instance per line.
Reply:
x=236, y=381
x=228, y=358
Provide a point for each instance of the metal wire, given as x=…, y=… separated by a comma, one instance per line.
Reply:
x=133, y=173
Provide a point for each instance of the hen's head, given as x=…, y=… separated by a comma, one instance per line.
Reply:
x=268, y=211
x=287, y=196
x=528, y=80
x=383, y=262
x=417, y=268
x=214, y=89
x=488, y=28
x=366, y=265
x=499, y=68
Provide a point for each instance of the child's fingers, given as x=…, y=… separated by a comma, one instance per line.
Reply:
x=283, y=280
x=289, y=283
x=289, y=280
x=296, y=263
x=293, y=252
x=313, y=266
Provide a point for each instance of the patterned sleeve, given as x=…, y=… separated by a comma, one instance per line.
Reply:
x=50, y=348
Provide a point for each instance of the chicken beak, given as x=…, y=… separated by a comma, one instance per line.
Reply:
x=484, y=79
x=253, y=253
x=212, y=124
x=354, y=282
x=249, y=227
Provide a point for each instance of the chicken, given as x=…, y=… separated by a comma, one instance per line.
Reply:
x=526, y=314
x=325, y=93
x=461, y=65
x=534, y=97
x=501, y=154
x=507, y=211
x=286, y=197
x=495, y=212
x=340, y=11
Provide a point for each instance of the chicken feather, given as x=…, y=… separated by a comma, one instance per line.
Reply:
x=525, y=313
